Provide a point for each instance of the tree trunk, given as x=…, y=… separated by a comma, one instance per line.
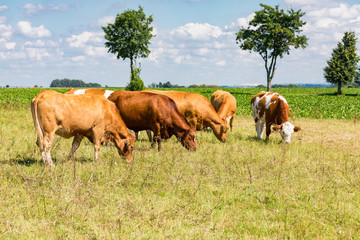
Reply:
x=339, y=89
x=132, y=69
x=269, y=84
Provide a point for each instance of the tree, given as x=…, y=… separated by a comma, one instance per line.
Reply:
x=129, y=37
x=136, y=84
x=342, y=67
x=271, y=33
x=72, y=83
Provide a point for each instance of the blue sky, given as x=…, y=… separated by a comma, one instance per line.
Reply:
x=195, y=41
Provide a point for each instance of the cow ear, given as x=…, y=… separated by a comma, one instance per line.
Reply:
x=277, y=128
x=296, y=129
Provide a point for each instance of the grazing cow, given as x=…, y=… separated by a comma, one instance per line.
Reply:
x=105, y=93
x=149, y=111
x=197, y=111
x=225, y=105
x=270, y=108
x=79, y=116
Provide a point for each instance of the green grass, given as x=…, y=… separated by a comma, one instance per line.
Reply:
x=318, y=103
x=243, y=189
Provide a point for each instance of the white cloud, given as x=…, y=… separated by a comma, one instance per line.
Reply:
x=10, y=45
x=26, y=29
x=78, y=58
x=203, y=51
x=240, y=22
x=197, y=31
x=3, y=8
x=36, y=53
x=84, y=38
x=103, y=22
x=221, y=63
x=95, y=51
x=34, y=9
x=5, y=30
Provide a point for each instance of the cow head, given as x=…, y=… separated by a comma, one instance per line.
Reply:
x=188, y=139
x=286, y=129
x=126, y=146
x=220, y=131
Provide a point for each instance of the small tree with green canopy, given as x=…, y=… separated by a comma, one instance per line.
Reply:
x=342, y=67
x=129, y=37
x=136, y=83
x=271, y=33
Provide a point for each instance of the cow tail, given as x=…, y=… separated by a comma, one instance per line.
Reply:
x=35, y=115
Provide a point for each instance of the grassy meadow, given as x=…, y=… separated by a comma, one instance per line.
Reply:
x=241, y=189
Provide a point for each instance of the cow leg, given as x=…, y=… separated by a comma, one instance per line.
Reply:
x=260, y=128
x=48, y=138
x=268, y=131
x=75, y=145
x=137, y=135
x=97, y=134
x=157, y=137
x=96, y=149
x=231, y=122
x=148, y=132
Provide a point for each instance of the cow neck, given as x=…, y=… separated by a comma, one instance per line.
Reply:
x=282, y=114
x=222, y=111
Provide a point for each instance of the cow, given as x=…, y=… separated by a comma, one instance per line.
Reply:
x=79, y=116
x=225, y=105
x=270, y=108
x=197, y=111
x=89, y=91
x=158, y=113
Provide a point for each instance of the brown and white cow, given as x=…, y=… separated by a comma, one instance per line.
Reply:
x=90, y=91
x=197, y=111
x=79, y=116
x=158, y=113
x=270, y=108
x=225, y=105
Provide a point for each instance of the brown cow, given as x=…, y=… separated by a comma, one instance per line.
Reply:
x=197, y=111
x=79, y=116
x=270, y=108
x=89, y=91
x=148, y=111
x=225, y=105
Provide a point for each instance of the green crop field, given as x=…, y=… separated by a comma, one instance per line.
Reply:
x=319, y=103
x=242, y=189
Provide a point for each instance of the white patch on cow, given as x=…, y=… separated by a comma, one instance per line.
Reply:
x=255, y=108
x=260, y=124
x=107, y=93
x=260, y=127
x=228, y=119
x=268, y=100
x=286, y=130
x=80, y=91
x=281, y=98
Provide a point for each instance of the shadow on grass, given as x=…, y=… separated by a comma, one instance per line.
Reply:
x=342, y=95
x=263, y=141
x=23, y=161
x=255, y=139
x=31, y=161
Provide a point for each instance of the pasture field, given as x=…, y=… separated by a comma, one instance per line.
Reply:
x=242, y=189
x=318, y=103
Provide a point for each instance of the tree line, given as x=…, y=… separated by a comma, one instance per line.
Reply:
x=73, y=83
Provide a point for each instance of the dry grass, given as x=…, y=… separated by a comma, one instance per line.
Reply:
x=242, y=189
